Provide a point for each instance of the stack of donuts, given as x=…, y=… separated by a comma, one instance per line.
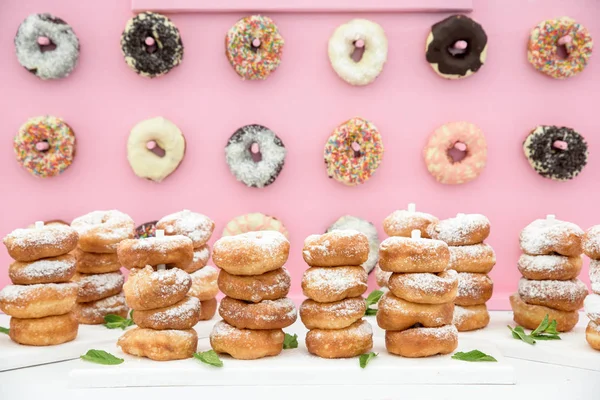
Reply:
x=550, y=266
x=417, y=311
x=157, y=290
x=591, y=304
x=473, y=260
x=98, y=269
x=199, y=229
x=334, y=285
x=41, y=299
x=255, y=282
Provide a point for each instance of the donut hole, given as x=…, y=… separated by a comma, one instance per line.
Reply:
x=354, y=150
x=358, y=53
x=255, y=152
x=458, y=52
x=456, y=155
x=47, y=47
x=561, y=52
x=150, y=47
x=45, y=146
x=156, y=149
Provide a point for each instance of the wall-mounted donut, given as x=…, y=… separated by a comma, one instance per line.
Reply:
x=155, y=148
x=254, y=47
x=151, y=44
x=47, y=46
x=456, y=47
x=548, y=36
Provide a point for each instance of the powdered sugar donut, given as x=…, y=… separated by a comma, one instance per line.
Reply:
x=254, y=222
x=98, y=286
x=267, y=314
x=595, y=275
x=102, y=231
x=345, y=247
x=204, y=283
x=333, y=284
x=396, y=314
x=530, y=316
x=470, y=318
x=425, y=288
x=358, y=224
x=462, y=230
x=422, y=341
x=347, y=342
x=382, y=277
x=93, y=313
x=550, y=235
x=401, y=254
x=95, y=263
x=208, y=309
x=37, y=301
x=591, y=242
x=173, y=251
x=255, y=155
x=181, y=315
x=479, y=258
x=199, y=260
x=560, y=295
x=358, y=35
x=591, y=305
x=147, y=289
x=335, y=315
x=159, y=345
x=550, y=267
x=48, y=270
x=33, y=244
x=473, y=289
x=196, y=226
x=403, y=222
x=271, y=285
x=592, y=335
x=246, y=344
x=460, y=135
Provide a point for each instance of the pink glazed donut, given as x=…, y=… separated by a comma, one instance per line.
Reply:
x=462, y=136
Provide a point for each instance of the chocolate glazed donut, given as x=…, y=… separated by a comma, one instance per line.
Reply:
x=443, y=40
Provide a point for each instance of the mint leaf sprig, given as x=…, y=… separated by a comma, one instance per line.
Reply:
x=101, y=357
x=373, y=298
x=546, y=330
x=473, y=356
x=113, y=321
x=290, y=341
x=4, y=330
x=364, y=359
x=209, y=357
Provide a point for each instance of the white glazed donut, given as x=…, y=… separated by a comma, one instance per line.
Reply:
x=163, y=134
x=591, y=305
x=343, y=43
x=364, y=226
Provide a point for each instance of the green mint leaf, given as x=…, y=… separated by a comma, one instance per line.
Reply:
x=519, y=333
x=542, y=326
x=113, y=321
x=290, y=342
x=374, y=297
x=131, y=314
x=4, y=330
x=101, y=357
x=552, y=328
x=547, y=337
x=364, y=359
x=473, y=356
x=371, y=311
x=209, y=357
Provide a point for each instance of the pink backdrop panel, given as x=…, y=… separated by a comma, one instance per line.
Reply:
x=302, y=102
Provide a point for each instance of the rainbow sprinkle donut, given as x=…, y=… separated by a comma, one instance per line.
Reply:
x=545, y=38
x=254, y=46
x=353, y=152
x=45, y=146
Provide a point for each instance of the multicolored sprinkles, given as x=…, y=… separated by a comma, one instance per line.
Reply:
x=61, y=141
x=250, y=62
x=543, y=47
x=346, y=165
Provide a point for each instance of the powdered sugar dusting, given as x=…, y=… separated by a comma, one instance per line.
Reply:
x=360, y=329
x=391, y=303
x=457, y=230
x=48, y=235
x=572, y=290
x=382, y=277
x=268, y=241
x=12, y=293
x=344, y=308
x=591, y=243
x=164, y=245
x=201, y=254
x=542, y=234
x=335, y=280
x=461, y=314
x=196, y=226
x=458, y=254
x=470, y=285
x=543, y=263
x=429, y=283
x=99, y=282
x=595, y=275
x=446, y=332
x=186, y=309
x=205, y=272
x=349, y=222
x=110, y=305
x=107, y=225
x=46, y=268
x=406, y=221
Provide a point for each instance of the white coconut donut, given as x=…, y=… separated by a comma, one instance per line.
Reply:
x=350, y=36
x=358, y=224
x=144, y=140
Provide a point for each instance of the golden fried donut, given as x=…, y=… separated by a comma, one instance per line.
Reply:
x=591, y=242
x=204, y=283
x=45, y=331
x=208, y=309
x=173, y=251
x=400, y=254
x=473, y=289
x=251, y=253
x=162, y=345
x=325, y=285
x=48, y=270
x=470, y=318
x=548, y=236
x=268, y=314
x=246, y=344
x=102, y=231
x=592, y=335
x=196, y=226
x=96, y=263
x=37, y=301
x=396, y=314
x=382, y=277
x=343, y=247
x=560, y=295
x=478, y=258
x=335, y=315
x=147, y=289
x=271, y=285
x=403, y=222
x=422, y=342
x=94, y=287
x=93, y=313
x=425, y=288
x=182, y=315
x=462, y=230
x=199, y=259
x=351, y=341
x=36, y=243
x=554, y=267
x=529, y=316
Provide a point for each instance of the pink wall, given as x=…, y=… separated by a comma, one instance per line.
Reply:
x=303, y=102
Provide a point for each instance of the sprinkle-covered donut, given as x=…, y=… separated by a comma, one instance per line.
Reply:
x=47, y=46
x=556, y=153
x=353, y=152
x=155, y=148
x=547, y=36
x=358, y=224
x=255, y=155
x=45, y=146
x=456, y=47
x=146, y=230
x=151, y=44
x=462, y=136
x=254, y=222
x=254, y=47
x=358, y=35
